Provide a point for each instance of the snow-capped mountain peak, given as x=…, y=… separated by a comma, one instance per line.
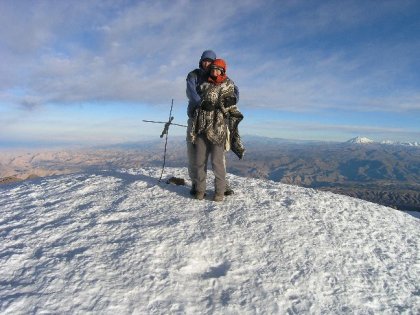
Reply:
x=360, y=140
x=119, y=242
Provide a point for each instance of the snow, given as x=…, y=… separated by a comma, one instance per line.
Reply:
x=360, y=140
x=410, y=144
x=116, y=242
x=390, y=142
x=364, y=140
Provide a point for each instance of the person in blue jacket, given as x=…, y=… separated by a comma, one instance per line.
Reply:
x=194, y=80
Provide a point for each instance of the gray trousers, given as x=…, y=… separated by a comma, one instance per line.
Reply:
x=191, y=154
x=192, y=169
x=203, y=149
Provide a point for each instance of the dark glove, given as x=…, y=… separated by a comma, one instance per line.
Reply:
x=230, y=101
x=191, y=110
x=198, y=90
x=207, y=106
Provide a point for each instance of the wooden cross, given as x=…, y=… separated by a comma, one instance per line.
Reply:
x=165, y=132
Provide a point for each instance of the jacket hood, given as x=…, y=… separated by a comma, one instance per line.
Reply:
x=208, y=54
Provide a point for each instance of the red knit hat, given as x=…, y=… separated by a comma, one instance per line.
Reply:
x=219, y=64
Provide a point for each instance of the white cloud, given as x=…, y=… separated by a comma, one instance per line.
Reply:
x=62, y=52
x=140, y=54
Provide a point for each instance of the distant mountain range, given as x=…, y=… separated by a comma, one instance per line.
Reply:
x=377, y=172
x=362, y=168
x=364, y=140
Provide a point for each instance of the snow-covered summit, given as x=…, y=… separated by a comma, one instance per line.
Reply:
x=410, y=144
x=360, y=140
x=364, y=140
x=116, y=242
x=388, y=142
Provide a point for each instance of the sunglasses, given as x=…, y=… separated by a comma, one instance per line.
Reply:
x=217, y=68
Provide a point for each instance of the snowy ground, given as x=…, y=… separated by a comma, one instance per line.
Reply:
x=117, y=243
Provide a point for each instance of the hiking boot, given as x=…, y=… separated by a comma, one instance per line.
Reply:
x=193, y=190
x=218, y=197
x=199, y=195
x=229, y=191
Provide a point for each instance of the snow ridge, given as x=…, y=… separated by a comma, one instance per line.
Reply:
x=364, y=140
x=117, y=243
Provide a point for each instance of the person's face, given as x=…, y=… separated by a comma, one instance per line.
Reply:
x=205, y=64
x=214, y=72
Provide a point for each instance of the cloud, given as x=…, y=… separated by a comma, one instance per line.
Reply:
x=290, y=55
x=141, y=52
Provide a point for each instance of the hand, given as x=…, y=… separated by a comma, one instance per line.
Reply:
x=191, y=112
x=198, y=90
x=207, y=106
x=230, y=101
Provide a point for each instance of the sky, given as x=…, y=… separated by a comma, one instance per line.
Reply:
x=89, y=72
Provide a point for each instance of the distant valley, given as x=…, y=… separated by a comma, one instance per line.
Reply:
x=387, y=174
x=384, y=174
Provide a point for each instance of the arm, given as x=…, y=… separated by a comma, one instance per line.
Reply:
x=236, y=92
x=193, y=97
